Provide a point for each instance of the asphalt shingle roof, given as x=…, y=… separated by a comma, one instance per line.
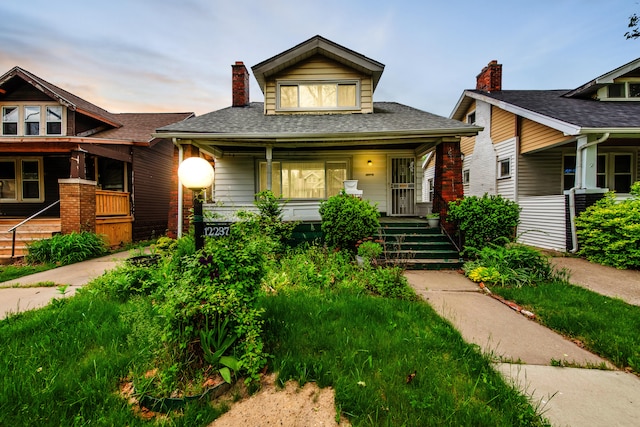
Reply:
x=138, y=127
x=387, y=117
x=586, y=113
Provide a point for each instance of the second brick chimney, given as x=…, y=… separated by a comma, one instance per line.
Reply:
x=490, y=78
x=240, y=85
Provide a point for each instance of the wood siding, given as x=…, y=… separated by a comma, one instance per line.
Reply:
x=542, y=222
x=151, y=188
x=503, y=125
x=118, y=230
x=467, y=144
x=535, y=136
x=320, y=68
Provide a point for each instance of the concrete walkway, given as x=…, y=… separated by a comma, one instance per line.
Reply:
x=20, y=294
x=524, y=351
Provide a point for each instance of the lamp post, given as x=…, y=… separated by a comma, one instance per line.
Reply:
x=196, y=174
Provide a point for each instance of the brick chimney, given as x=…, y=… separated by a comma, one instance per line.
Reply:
x=240, y=85
x=490, y=78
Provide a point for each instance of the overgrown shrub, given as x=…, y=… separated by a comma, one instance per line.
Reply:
x=347, y=219
x=609, y=231
x=270, y=210
x=485, y=220
x=66, y=249
x=512, y=265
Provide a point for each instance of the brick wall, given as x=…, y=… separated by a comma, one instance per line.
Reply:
x=77, y=205
x=240, y=85
x=448, y=181
x=490, y=78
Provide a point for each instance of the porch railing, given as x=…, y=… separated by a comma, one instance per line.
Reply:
x=112, y=203
x=15, y=227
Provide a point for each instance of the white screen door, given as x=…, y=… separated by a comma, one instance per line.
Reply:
x=403, y=198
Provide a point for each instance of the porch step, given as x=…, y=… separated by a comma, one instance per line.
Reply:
x=36, y=229
x=411, y=243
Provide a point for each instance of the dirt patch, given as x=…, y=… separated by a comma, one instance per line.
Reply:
x=291, y=406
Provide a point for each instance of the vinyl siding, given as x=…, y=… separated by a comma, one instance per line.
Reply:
x=503, y=125
x=235, y=181
x=535, y=136
x=542, y=222
x=506, y=186
x=320, y=68
x=540, y=174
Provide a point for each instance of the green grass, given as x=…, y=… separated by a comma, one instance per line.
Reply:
x=62, y=365
x=10, y=272
x=366, y=347
x=607, y=326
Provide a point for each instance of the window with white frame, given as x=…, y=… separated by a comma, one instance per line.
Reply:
x=431, y=185
x=465, y=176
x=304, y=179
x=318, y=95
x=10, y=118
x=504, y=168
x=614, y=171
x=625, y=90
x=54, y=120
x=21, y=180
x=31, y=120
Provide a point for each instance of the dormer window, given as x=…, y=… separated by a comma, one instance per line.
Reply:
x=54, y=120
x=318, y=95
x=10, y=120
x=621, y=91
x=32, y=120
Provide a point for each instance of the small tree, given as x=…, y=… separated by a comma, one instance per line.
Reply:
x=484, y=220
x=347, y=219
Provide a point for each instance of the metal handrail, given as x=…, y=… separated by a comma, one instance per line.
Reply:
x=15, y=227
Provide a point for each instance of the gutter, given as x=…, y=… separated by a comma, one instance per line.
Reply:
x=578, y=184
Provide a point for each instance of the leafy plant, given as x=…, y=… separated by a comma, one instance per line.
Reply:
x=512, y=265
x=66, y=249
x=347, y=219
x=270, y=220
x=215, y=341
x=484, y=220
x=609, y=231
x=370, y=250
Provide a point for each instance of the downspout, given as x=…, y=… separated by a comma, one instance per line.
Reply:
x=578, y=184
x=180, y=194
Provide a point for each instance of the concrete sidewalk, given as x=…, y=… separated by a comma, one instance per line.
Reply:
x=17, y=295
x=524, y=351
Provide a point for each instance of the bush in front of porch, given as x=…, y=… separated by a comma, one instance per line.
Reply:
x=63, y=249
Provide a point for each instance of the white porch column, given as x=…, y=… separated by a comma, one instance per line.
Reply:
x=586, y=162
x=269, y=166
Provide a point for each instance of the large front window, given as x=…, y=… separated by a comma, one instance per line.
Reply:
x=317, y=95
x=304, y=179
x=21, y=180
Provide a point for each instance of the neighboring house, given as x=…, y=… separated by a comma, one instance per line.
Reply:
x=554, y=152
x=106, y=170
x=319, y=126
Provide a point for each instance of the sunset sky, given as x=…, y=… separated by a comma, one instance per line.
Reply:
x=176, y=55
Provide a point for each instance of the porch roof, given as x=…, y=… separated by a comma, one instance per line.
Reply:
x=390, y=121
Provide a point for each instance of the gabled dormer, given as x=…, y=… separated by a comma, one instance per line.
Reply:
x=621, y=84
x=32, y=107
x=317, y=77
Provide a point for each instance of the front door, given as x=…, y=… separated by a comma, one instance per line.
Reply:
x=403, y=183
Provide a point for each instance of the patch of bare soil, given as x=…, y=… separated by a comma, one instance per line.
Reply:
x=291, y=406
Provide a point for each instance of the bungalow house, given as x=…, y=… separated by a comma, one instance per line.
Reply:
x=80, y=167
x=318, y=127
x=554, y=152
